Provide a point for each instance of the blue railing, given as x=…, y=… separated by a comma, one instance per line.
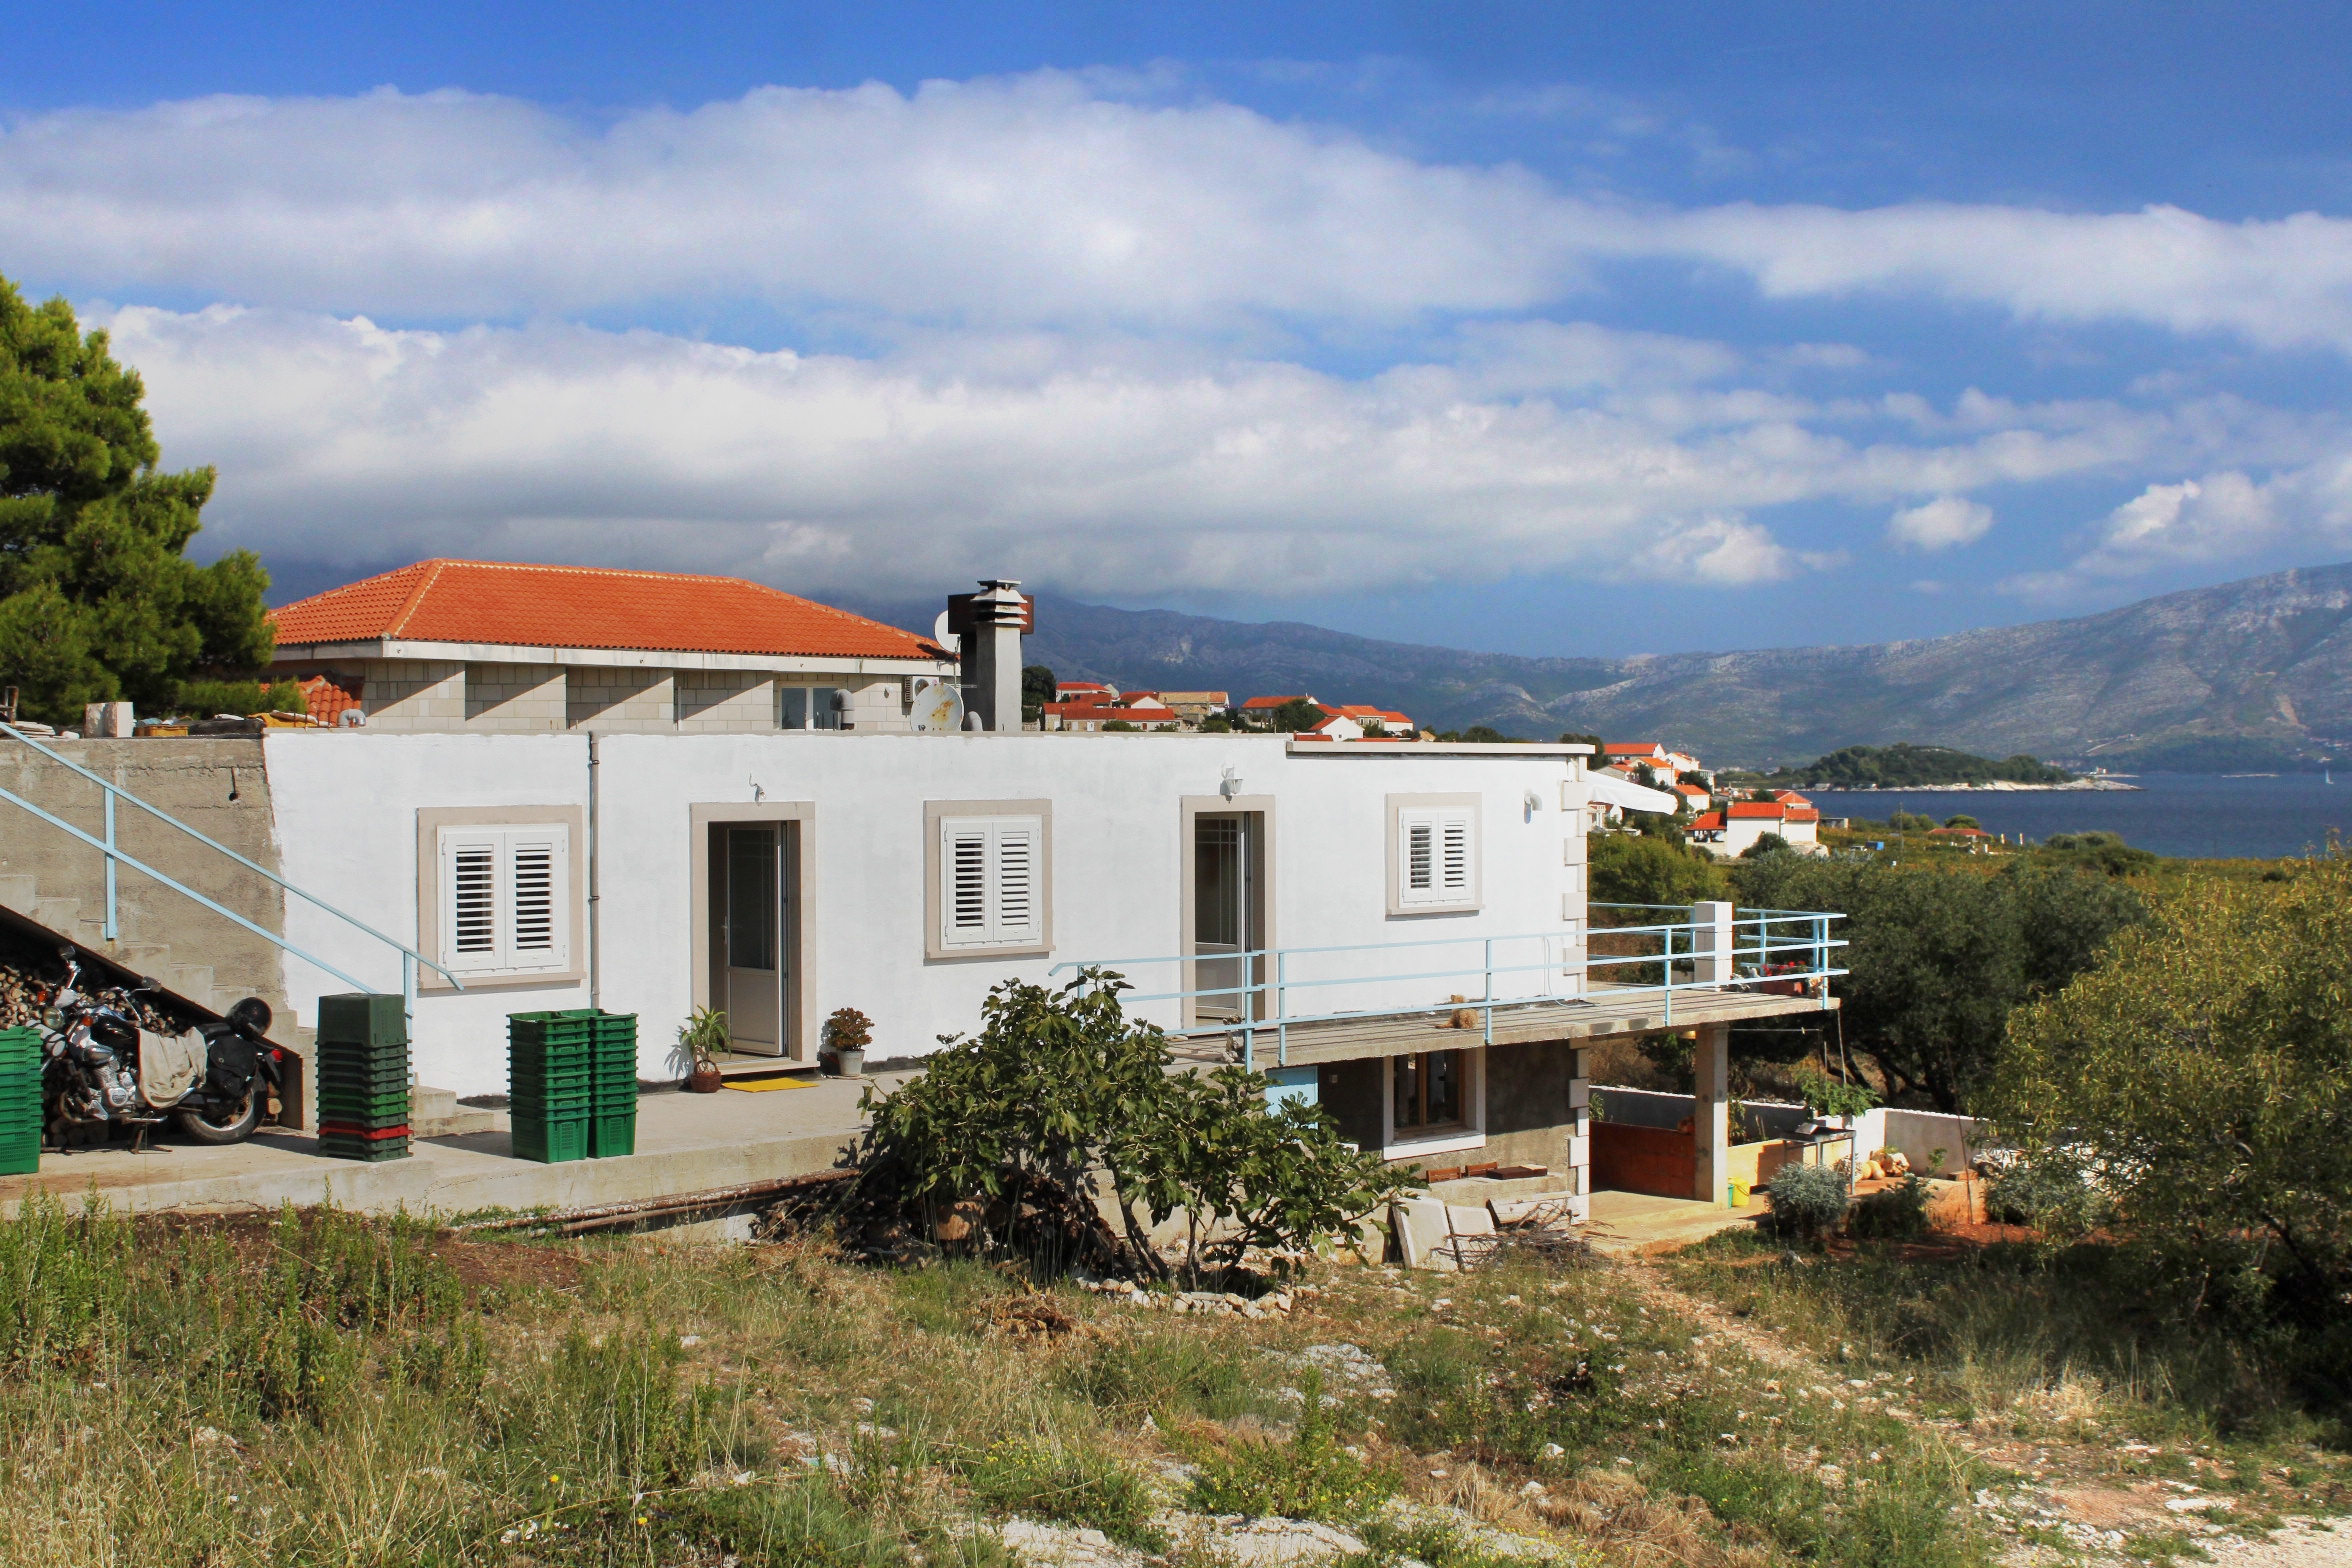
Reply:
x=409, y=957
x=1778, y=947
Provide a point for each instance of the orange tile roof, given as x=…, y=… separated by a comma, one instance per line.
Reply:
x=1771, y=809
x=1635, y=748
x=587, y=607
x=1276, y=702
x=326, y=696
x=1711, y=821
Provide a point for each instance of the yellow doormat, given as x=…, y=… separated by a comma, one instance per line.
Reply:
x=763, y=1085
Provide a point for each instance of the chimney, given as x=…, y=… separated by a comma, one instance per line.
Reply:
x=991, y=624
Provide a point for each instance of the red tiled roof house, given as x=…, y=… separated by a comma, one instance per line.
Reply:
x=502, y=647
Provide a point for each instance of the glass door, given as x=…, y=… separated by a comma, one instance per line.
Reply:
x=1223, y=914
x=754, y=939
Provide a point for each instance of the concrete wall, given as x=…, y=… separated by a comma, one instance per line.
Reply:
x=346, y=805
x=612, y=700
x=515, y=698
x=411, y=694
x=217, y=785
x=714, y=702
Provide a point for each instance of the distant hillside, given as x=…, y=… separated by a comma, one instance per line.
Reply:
x=2223, y=677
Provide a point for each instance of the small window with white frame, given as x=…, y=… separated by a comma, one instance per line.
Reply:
x=992, y=873
x=1433, y=853
x=505, y=900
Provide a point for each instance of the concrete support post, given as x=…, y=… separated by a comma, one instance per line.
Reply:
x=1579, y=1172
x=1711, y=943
x=1711, y=1117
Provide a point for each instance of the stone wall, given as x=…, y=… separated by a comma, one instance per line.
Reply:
x=615, y=700
x=515, y=698
x=216, y=785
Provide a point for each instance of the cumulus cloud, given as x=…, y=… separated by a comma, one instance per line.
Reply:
x=1052, y=197
x=1087, y=466
x=2221, y=516
x=1940, y=524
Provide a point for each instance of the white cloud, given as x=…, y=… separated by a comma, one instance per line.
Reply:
x=2226, y=515
x=1048, y=198
x=1099, y=466
x=1940, y=524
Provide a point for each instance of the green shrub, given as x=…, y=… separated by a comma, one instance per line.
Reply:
x=1311, y=1476
x=1054, y=1481
x=1897, y=1213
x=1807, y=1200
x=203, y=699
x=2051, y=1193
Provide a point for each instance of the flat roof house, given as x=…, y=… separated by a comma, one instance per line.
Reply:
x=1315, y=911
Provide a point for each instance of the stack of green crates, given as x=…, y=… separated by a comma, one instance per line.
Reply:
x=614, y=1128
x=551, y=1083
x=362, y=1073
x=20, y=1101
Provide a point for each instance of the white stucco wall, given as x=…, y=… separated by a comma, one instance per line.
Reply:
x=346, y=805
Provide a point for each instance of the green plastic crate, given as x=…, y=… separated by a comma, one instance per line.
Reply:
x=551, y=1142
x=20, y=1156
x=364, y=1151
x=612, y=1136
x=362, y=1018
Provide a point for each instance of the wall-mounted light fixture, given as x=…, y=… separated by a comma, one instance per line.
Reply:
x=1230, y=785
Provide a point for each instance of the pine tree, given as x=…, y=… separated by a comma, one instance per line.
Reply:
x=98, y=599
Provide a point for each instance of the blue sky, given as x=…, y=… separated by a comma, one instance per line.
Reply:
x=1545, y=328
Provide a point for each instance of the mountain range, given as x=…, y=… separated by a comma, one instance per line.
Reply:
x=2251, y=673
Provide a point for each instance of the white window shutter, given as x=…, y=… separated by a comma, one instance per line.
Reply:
x=991, y=882
x=506, y=900
x=538, y=898
x=469, y=901
x=963, y=883
x=1437, y=857
x=1453, y=863
x=1019, y=902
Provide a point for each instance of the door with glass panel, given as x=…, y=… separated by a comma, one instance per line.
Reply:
x=755, y=899
x=1225, y=915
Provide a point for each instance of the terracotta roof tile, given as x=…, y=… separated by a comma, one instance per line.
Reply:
x=588, y=607
x=1770, y=809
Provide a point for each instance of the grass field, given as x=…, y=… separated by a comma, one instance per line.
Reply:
x=320, y=1389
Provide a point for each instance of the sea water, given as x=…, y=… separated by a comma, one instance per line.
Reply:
x=2202, y=815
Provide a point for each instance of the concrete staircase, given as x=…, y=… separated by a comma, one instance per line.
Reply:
x=191, y=983
x=435, y=1113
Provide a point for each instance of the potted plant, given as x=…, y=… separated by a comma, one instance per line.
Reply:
x=847, y=1034
x=702, y=1036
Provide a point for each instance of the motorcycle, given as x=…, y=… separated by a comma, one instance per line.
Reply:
x=105, y=1069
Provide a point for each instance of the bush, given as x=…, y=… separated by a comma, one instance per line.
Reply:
x=1631, y=868
x=1897, y=1213
x=1312, y=1476
x=2051, y=1193
x=1053, y=1481
x=204, y=699
x=1807, y=1200
x=1017, y=1123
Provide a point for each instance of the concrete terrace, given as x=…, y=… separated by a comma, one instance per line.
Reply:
x=686, y=1143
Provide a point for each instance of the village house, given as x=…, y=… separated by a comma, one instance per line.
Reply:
x=1394, y=929
x=1736, y=828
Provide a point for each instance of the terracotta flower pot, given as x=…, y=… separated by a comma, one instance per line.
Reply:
x=705, y=1080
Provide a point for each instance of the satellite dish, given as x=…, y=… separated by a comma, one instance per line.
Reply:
x=945, y=638
x=938, y=705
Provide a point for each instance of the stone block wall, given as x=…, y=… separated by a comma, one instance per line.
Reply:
x=632, y=701
x=413, y=694
x=515, y=698
x=714, y=702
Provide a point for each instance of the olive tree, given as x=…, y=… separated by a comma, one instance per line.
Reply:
x=2200, y=1078
x=1938, y=959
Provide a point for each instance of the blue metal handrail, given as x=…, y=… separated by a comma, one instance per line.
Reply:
x=1816, y=944
x=410, y=958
